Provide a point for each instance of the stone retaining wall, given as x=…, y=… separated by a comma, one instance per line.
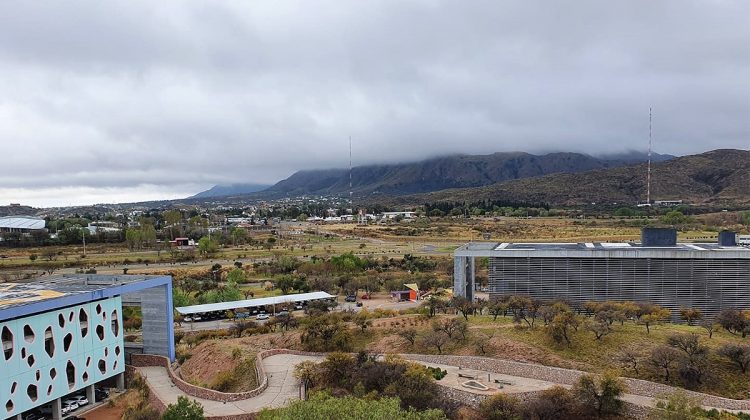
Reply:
x=138, y=360
x=570, y=376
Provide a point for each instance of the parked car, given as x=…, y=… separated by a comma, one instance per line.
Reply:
x=241, y=315
x=298, y=307
x=69, y=406
x=101, y=394
x=81, y=400
x=283, y=313
x=365, y=296
x=262, y=317
x=359, y=304
x=351, y=298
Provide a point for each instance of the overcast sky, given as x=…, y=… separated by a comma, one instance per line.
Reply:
x=137, y=100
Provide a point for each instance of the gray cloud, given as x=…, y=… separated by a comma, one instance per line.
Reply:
x=126, y=96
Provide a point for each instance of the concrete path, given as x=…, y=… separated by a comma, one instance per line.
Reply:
x=282, y=387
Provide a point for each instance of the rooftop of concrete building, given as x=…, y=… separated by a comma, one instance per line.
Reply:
x=597, y=248
x=42, y=294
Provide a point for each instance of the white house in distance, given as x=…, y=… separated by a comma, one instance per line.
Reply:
x=394, y=214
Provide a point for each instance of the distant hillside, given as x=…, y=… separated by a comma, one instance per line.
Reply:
x=17, y=211
x=232, y=189
x=441, y=173
x=719, y=177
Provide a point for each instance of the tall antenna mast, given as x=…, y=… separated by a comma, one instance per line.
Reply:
x=351, y=202
x=648, y=176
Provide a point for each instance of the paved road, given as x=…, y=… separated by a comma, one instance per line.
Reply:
x=282, y=387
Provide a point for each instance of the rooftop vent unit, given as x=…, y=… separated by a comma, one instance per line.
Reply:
x=727, y=238
x=658, y=237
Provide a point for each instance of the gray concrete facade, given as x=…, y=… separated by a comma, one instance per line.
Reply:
x=708, y=277
x=158, y=318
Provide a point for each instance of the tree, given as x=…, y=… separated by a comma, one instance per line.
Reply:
x=559, y=328
x=734, y=321
x=739, y=354
x=500, y=407
x=437, y=339
x=552, y=404
x=677, y=406
x=184, y=410
x=207, y=246
x=690, y=345
x=496, y=308
x=664, y=357
x=629, y=358
x=691, y=315
x=463, y=305
x=452, y=327
x=600, y=328
x=362, y=320
x=286, y=321
x=173, y=219
x=602, y=396
x=237, y=276
x=709, y=325
x=483, y=342
x=408, y=334
x=322, y=405
x=655, y=316
x=325, y=332
x=416, y=388
x=285, y=283
x=306, y=371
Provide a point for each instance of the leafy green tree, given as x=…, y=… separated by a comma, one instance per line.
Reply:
x=285, y=283
x=207, y=246
x=184, y=410
x=237, y=276
x=675, y=218
x=347, y=262
x=677, y=406
x=173, y=219
x=239, y=236
x=500, y=407
x=601, y=396
x=181, y=298
x=323, y=406
x=416, y=388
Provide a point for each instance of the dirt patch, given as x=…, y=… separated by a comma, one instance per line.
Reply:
x=104, y=412
x=504, y=348
x=401, y=322
x=287, y=340
x=208, y=360
x=389, y=344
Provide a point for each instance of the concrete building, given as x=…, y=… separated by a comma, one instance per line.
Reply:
x=21, y=224
x=65, y=335
x=706, y=276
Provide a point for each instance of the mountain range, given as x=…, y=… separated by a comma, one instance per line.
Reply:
x=458, y=171
x=718, y=178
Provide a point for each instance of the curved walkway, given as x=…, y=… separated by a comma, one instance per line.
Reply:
x=515, y=377
x=282, y=387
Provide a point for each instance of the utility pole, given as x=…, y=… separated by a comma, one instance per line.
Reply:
x=648, y=176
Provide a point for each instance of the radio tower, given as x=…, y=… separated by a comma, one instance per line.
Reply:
x=648, y=175
x=351, y=202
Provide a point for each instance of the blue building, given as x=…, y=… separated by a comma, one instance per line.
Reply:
x=65, y=335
